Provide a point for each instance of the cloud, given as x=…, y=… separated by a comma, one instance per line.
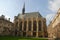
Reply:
x=53, y=5
x=49, y=18
x=4, y=11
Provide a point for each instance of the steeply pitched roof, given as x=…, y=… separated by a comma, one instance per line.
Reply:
x=31, y=14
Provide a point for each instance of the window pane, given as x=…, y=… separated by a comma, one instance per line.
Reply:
x=20, y=26
x=29, y=25
x=25, y=25
x=39, y=25
x=34, y=26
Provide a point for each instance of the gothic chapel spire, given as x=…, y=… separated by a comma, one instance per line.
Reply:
x=23, y=9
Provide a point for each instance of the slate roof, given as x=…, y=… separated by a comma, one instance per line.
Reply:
x=31, y=14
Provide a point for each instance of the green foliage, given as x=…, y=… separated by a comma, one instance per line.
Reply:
x=19, y=38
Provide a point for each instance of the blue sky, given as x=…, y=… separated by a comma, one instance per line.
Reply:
x=47, y=8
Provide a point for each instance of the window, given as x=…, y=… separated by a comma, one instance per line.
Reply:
x=15, y=32
x=20, y=26
x=34, y=26
x=34, y=34
x=25, y=24
x=39, y=25
x=24, y=34
x=16, y=24
x=29, y=25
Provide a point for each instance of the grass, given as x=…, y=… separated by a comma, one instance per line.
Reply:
x=19, y=38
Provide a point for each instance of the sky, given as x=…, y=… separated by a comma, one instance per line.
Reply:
x=47, y=8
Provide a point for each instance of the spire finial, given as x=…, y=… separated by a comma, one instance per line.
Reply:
x=23, y=10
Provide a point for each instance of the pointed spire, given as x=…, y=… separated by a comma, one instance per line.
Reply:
x=23, y=10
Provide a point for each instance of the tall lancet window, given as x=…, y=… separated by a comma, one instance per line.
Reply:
x=34, y=26
x=29, y=25
x=25, y=25
x=39, y=25
x=20, y=26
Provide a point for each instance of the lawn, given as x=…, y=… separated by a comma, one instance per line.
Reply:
x=19, y=38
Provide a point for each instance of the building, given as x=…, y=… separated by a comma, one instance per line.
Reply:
x=25, y=25
x=30, y=24
x=54, y=26
x=6, y=27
